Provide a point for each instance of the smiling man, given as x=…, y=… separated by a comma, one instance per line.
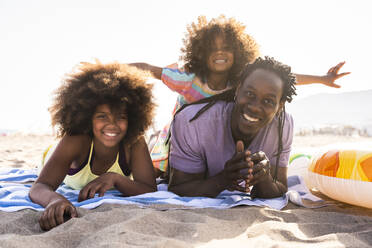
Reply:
x=237, y=138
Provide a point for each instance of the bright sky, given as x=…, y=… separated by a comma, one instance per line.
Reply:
x=41, y=40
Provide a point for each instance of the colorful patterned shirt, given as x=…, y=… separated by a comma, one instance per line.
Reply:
x=190, y=89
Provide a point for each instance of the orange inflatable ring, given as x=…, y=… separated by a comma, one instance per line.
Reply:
x=343, y=175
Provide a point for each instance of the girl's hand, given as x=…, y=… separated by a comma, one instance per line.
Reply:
x=332, y=75
x=56, y=213
x=261, y=168
x=99, y=185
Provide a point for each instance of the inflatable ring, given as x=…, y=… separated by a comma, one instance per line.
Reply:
x=343, y=175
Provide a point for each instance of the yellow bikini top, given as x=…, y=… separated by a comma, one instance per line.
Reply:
x=85, y=175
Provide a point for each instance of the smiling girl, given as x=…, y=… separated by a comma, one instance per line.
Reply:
x=102, y=112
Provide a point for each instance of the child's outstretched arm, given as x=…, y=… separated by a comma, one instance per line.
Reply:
x=57, y=207
x=328, y=79
x=155, y=70
x=142, y=171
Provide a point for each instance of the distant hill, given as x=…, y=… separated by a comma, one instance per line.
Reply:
x=343, y=109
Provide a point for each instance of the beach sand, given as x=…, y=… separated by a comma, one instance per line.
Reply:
x=337, y=225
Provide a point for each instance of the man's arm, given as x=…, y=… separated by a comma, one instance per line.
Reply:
x=198, y=184
x=186, y=184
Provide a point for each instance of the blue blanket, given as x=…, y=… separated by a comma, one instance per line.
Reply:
x=15, y=185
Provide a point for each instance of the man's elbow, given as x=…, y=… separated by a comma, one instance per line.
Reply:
x=153, y=189
x=172, y=188
x=175, y=189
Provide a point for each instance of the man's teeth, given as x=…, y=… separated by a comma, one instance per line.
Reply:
x=247, y=117
x=220, y=61
x=111, y=134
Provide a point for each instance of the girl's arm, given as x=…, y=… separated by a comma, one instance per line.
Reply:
x=142, y=171
x=43, y=190
x=68, y=149
x=155, y=70
x=328, y=79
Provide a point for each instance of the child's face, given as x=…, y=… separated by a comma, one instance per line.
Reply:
x=221, y=56
x=109, y=128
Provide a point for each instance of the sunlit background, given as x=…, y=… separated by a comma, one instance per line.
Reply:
x=40, y=41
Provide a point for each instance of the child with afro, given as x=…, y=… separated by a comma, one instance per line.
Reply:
x=214, y=55
x=102, y=112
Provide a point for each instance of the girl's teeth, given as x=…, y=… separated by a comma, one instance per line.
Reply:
x=247, y=117
x=111, y=134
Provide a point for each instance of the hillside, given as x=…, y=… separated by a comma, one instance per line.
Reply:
x=351, y=109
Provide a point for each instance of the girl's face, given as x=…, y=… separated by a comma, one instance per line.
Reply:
x=221, y=57
x=109, y=128
x=256, y=103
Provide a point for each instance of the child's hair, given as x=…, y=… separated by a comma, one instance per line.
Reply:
x=201, y=37
x=267, y=63
x=119, y=86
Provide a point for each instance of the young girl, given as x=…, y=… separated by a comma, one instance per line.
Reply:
x=215, y=53
x=102, y=112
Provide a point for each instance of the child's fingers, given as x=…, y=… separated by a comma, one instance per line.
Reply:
x=336, y=68
x=43, y=221
x=50, y=220
x=59, y=214
x=102, y=191
x=83, y=194
x=343, y=74
x=72, y=211
x=339, y=65
x=88, y=191
x=42, y=225
x=334, y=85
x=92, y=192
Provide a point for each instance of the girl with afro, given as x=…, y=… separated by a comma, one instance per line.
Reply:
x=102, y=112
x=214, y=55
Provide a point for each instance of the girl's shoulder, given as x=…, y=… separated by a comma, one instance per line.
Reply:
x=136, y=146
x=77, y=140
x=75, y=144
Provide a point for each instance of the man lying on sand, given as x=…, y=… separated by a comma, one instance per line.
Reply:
x=252, y=116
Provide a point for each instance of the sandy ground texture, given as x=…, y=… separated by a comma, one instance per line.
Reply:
x=337, y=225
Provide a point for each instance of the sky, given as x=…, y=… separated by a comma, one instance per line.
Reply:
x=42, y=40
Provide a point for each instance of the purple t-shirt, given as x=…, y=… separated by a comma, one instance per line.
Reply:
x=206, y=143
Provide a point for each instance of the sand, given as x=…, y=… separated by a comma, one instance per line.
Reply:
x=337, y=225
